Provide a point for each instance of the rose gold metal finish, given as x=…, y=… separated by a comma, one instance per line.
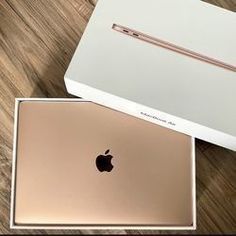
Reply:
x=57, y=182
x=172, y=47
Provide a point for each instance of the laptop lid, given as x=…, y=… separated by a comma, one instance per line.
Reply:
x=81, y=164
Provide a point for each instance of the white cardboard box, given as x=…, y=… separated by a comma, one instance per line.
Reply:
x=13, y=189
x=154, y=83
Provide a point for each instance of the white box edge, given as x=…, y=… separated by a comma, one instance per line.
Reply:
x=182, y=125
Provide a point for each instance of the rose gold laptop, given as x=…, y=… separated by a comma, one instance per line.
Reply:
x=79, y=164
x=172, y=47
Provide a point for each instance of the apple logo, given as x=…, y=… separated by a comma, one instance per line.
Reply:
x=103, y=162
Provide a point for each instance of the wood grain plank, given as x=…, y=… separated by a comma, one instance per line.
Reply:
x=37, y=41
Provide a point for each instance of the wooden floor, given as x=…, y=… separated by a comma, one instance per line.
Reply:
x=37, y=41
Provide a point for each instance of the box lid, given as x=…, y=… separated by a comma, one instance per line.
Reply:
x=141, y=78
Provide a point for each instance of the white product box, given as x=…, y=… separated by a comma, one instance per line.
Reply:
x=74, y=227
x=156, y=84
